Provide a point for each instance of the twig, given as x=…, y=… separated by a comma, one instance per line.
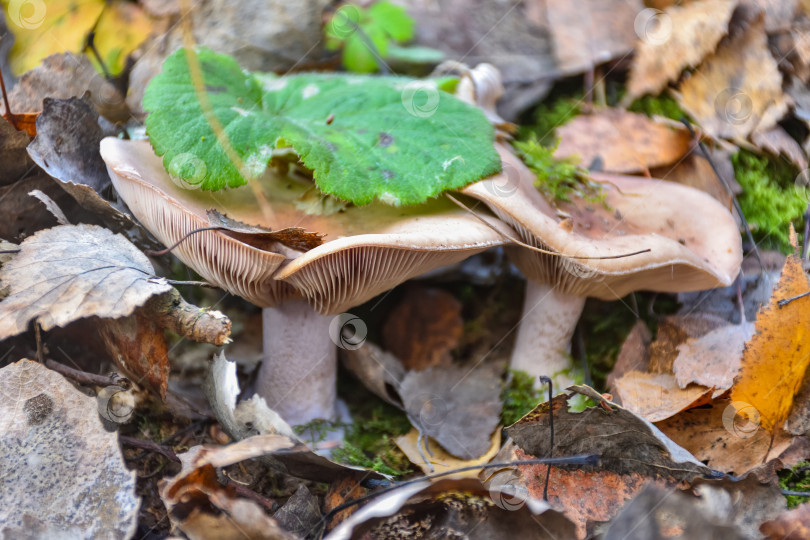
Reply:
x=150, y=446
x=547, y=380
x=197, y=324
x=88, y=379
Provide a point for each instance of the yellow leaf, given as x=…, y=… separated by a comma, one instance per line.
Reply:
x=121, y=28
x=776, y=358
x=43, y=28
x=441, y=461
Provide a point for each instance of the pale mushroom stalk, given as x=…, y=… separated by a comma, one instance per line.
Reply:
x=299, y=392
x=543, y=339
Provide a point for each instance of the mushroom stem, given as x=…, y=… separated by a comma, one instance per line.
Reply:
x=543, y=341
x=298, y=375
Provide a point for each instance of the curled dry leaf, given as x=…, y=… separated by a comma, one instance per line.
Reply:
x=776, y=358
x=67, y=148
x=203, y=508
x=74, y=271
x=738, y=89
x=379, y=371
x=457, y=407
x=623, y=141
x=454, y=508
x=67, y=142
x=674, y=40
x=657, y=396
x=263, y=238
x=63, y=473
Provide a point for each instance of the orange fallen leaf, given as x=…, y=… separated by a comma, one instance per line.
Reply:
x=776, y=358
x=625, y=142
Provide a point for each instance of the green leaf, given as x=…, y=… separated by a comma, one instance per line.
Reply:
x=393, y=19
x=394, y=139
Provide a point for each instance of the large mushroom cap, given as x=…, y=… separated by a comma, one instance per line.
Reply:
x=693, y=240
x=367, y=250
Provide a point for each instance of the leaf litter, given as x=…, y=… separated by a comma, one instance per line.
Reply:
x=717, y=57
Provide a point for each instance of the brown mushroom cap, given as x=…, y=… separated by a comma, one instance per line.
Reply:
x=367, y=249
x=694, y=241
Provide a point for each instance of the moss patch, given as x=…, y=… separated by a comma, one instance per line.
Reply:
x=519, y=396
x=796, y=479
x=658, y=106
x=770, y=199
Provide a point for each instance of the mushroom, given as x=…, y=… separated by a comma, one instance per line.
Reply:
x=693, y=242
x=367, y=250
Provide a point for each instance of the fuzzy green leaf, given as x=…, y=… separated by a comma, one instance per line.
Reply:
x=394, y=139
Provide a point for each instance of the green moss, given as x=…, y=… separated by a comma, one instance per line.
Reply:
x=557, y=179
x=658, y=106
x=549, y=116
x=519, y=396
x=369, y=441
x=770, y=199
x=796, y=479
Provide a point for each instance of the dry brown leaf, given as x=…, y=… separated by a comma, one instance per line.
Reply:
x=341, y=492
x=657, y=396
x=718, y=436
x=712, y=360
x=674, y=330
x=675, y=39
x=458, y=407
x=792, y=525
x=738, y=89
x=423, y=327
x=137, y=345
x=591, y=32
x=625, y=442
x=74, y=271
x=63, y=473
x=262, y=238
x=634, y=354
x=776, y=358
x=625, y=142
x=779, y=143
